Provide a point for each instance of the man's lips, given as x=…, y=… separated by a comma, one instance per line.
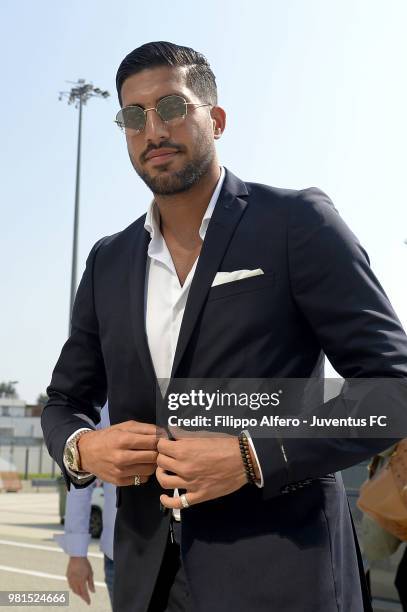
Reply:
x=160, y=156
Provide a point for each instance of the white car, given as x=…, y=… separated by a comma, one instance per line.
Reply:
x=96, y=520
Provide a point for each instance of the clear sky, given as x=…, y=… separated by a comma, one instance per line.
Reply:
x=315, y=93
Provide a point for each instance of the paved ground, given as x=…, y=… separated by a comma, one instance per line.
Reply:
x=31, y=560
x=29, y=557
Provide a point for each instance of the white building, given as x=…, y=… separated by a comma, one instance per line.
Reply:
x=21, y=439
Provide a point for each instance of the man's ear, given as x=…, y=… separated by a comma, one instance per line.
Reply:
x=218, y=116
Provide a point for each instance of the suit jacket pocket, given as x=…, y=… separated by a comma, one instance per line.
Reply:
x=252, y=283
x=327, y=478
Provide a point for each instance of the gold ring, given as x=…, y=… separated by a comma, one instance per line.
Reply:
x=137, y=480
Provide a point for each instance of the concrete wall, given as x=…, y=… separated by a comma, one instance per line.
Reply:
x=23, y=426
x=38, y=459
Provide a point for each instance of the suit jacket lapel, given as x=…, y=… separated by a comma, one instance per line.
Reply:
x=137, y=297
x=225, y=218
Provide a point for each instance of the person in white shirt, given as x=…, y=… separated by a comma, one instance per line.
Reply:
x=76, y=537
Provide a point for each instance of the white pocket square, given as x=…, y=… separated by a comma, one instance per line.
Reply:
x=229, y=277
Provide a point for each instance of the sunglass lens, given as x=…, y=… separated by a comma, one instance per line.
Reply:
x=171, y=107
x=131, y=117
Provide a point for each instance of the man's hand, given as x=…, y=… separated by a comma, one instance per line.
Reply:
x=206, y=466
x=80, y=576
x=117, y=453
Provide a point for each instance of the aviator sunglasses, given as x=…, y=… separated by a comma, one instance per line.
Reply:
x=171, y=109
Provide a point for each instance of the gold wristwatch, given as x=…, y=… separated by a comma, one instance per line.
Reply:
x=72, y=459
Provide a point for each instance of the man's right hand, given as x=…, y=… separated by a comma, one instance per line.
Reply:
x=117, y=453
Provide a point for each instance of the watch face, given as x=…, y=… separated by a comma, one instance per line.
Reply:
x=69, y=457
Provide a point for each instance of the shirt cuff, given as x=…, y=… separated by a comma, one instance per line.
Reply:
x=249, y=439
x=74, y=544
x=78, y=477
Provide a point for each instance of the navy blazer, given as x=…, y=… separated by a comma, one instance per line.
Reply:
x=257, y=549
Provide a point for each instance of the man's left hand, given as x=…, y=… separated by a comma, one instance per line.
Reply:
x=206, y=466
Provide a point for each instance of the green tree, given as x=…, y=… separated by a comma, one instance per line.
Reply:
x=8, y=389
x=42, y=399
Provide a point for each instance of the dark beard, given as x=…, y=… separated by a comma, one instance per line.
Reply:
x=177, y=182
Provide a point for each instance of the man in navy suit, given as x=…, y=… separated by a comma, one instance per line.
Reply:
x=221, y=279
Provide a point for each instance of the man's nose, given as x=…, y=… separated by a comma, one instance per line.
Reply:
x=155, y=129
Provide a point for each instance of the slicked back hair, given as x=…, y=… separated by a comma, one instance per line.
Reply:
x=199, y=76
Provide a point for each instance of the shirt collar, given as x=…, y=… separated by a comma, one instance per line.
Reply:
x=152, y=222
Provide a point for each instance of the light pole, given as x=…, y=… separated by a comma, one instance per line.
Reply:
x=78, y=95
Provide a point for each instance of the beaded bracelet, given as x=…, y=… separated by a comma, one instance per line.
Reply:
x=246, y=458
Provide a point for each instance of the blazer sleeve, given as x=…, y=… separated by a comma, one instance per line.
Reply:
x=78, y=384
x=351, y=316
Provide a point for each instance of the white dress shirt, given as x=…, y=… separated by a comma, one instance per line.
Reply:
x=165, y=298
x=75, y=539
